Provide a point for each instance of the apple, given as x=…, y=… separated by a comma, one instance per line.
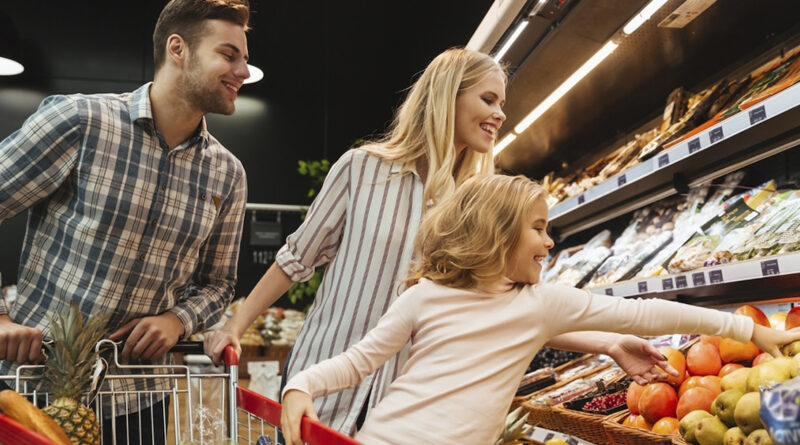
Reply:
x=792, y=318
x=756, y=314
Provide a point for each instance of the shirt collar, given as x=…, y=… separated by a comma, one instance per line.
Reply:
x=141, y=112
x=397, y=167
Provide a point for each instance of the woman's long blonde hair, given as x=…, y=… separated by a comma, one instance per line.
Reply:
x=424, y=125
x=465, y=241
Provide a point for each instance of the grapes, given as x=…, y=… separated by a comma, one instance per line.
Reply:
x=548, y=357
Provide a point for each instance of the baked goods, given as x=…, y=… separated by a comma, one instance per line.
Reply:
x=20, y=409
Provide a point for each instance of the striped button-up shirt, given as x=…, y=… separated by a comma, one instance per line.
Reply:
x=363, y=222
x=118, y=221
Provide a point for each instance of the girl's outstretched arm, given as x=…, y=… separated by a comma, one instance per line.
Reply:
x=636, y=356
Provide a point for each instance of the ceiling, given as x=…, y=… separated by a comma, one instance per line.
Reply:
x=629, y=89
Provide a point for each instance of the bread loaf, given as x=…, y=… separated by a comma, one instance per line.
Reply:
x=20, y=409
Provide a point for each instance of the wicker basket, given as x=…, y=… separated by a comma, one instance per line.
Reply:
x=624, y=435
x=581, y=424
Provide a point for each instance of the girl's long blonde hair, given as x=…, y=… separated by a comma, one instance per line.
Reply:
x=424, y=125
x=465, y=241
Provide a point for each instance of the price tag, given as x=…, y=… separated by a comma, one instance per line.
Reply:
x=621, y=180
x=642, y=286
x=698, y=279
x=770, y=267
x=680, y=282
x=716, y=135
x=694, y=145
x=667, y=284
x=609, y=291
x=581, y=199
x=715, y=276
x=757, y=115
x=663, y=160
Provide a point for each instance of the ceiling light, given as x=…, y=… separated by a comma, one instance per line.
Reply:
x=10, y=67
x=590, y=64
x=510, y=40
x=255, y=74
x=504, y=143
x=643, y=16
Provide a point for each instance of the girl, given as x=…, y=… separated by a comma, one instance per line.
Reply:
x=475, y=317
x=366, y=216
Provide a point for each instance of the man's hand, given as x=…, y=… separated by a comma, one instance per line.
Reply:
x=149, y=338
x=18, y=343
x=216, y=341
x=296, y=404
x=640, y=360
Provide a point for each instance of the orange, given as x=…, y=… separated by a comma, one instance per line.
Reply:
x=657, y=400
x=667, y=426
x=703, y=359
x=713, y=339
x=710, y=382
x=637, y=421
x=634, y=391
x=729, y=368
x=694, y=399
x=677, y=360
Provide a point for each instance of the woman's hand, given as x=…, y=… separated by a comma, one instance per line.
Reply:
x=215, y=342
x=640, y=360
x=296, y=404
x=770, y=340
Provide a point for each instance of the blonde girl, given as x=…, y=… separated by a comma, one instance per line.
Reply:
x=475, y=316
x=364, y=221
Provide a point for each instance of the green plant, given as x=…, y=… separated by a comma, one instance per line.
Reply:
x=301, y=292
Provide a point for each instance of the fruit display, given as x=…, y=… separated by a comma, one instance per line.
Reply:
x=551, y=358
x=68, y=370
x=276, y=326
x=716, y=400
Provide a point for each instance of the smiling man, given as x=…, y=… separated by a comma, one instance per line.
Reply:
x=135, y=209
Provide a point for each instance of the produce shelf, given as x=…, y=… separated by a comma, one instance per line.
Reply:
x=764, y=129
x=747, y=281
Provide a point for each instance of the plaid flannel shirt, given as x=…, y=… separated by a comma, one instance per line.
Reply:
x=118, y=221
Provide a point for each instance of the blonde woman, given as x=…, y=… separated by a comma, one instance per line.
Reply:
x=365, y=219
x=475, y=317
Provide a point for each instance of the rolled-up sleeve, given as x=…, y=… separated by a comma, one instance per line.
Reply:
x=317, y=240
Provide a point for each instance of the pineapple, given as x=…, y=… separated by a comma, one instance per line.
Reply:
x=68, y=373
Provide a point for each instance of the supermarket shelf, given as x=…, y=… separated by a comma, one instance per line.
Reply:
x=746, y=281
x=753, y=134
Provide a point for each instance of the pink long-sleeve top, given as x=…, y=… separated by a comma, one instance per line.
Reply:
x=470, y=349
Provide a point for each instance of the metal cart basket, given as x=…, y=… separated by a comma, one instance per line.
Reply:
x=249, y=417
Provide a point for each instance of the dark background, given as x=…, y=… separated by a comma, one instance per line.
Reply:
x=334, y=72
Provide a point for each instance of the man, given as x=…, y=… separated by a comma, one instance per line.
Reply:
x=135, y=209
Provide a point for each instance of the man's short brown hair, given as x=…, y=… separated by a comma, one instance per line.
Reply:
x=186, y=18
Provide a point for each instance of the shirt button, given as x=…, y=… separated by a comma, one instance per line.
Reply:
x=203, y=196
x=154, y=221
x=164, y=187
x=142, y=257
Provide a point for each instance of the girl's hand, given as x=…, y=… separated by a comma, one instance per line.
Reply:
x=215, y=342
x=640, y=360
x=770, y=340
x=296, y=404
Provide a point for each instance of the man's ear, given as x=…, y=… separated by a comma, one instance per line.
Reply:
x=176, y=49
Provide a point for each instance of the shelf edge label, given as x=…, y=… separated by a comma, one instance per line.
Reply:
x=716, y=135
x=621, y=180
x=694, y=145
x=663, y=160
x=758, y=114
x=667, y=284
x=680, y=282
x=642, y=286
x=581, y=199
x=715, y=277
x=610, y=291
x=770, y=267
x=698, y=279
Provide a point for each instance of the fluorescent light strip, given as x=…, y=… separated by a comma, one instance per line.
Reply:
x=590, y=64
x=643, y=16
x=503, y=143
x=10, y=67
x=510, y=40
x=255, y=74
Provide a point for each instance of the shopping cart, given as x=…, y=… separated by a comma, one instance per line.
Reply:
x=249, y=417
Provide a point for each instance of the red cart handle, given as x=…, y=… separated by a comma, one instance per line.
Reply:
x=229, y=356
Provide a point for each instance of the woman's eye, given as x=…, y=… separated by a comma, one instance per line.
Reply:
x=488, y=101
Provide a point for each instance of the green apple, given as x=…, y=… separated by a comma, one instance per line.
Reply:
x=735, y=380
x=758, y=437
x=746, y=412
x=724, y=405
x=768, y=373
x=734, y=436
x=709, y=431
x=689, y=422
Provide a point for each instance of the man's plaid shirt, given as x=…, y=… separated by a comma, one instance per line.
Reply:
x=118, y=221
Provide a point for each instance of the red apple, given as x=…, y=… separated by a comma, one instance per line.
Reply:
x=755, y=313
x=792, y=318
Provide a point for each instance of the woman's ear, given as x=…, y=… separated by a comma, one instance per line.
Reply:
x=176, y=49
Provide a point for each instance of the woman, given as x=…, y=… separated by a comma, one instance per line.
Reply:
x=366, y=217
